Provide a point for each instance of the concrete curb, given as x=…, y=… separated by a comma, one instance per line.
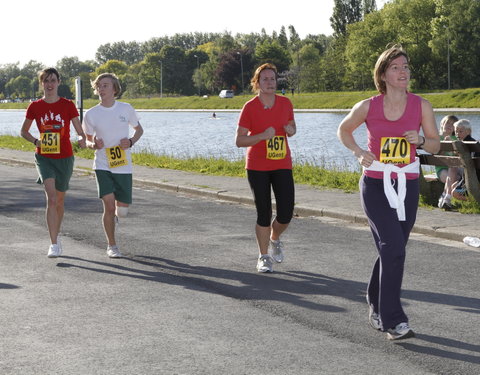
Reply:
x=300, y=210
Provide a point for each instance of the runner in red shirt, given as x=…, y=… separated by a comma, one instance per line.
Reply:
x=265, y=123
x=53, y=155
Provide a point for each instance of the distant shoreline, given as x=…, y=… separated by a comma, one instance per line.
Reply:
x=318, y=110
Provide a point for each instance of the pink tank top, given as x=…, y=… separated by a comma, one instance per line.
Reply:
x=385, y=137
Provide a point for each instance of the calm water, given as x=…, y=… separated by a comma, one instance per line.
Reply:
x=185, y=134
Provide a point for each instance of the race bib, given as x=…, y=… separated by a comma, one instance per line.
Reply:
x=394, y=150
x=50, y=143
x=276, y=148
x=116, y=156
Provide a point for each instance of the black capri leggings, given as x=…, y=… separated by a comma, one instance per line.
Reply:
x=281, y=180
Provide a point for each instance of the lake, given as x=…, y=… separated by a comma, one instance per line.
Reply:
x=184, y=134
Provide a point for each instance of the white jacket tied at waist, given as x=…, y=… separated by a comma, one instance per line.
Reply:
x=395, y=200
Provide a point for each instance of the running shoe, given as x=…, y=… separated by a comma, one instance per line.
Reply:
x=114, y=252
x=54, y=251
x=277, y=251
x=441, y=201
x=264, y=263
x=401, y=331
x=373, y=317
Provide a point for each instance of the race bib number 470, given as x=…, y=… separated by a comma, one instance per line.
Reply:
x=50, y=143
x=394, y=150
x=276, y=148
x=116, y=157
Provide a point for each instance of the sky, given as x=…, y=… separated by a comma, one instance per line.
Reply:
x=47, y=31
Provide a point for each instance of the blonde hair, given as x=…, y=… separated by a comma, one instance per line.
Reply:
x=383, y=63
x=255, y=81
x=115, y=81
x=448, y=119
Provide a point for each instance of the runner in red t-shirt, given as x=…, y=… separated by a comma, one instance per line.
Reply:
x=265, y=123
x=53, y=155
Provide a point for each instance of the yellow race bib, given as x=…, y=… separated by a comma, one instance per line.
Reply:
x=276, y=148
x=50, y=143
x=116, y=156
x=394, y=150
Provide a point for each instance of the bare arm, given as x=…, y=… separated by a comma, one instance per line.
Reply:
x=78, y=128
x=352, y=121
x=25, y=132
x=242, y=139
x=290, y=128
x=125, y=142
x=429, y=127
x=430, y=142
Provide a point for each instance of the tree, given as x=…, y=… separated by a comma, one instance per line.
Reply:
x=282, y=38
x=19, y=87
x=130, y=52
x=345, y=12
x=311, y=74
x=151, y=74
x=369, y=6
x=274, y=53
x=228, y=73
x=117, y=67
x=456, y=31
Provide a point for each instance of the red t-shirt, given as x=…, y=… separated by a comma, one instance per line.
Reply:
x=54, y=118
x=271, y=154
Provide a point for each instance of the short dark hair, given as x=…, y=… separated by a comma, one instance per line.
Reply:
x=45, y=73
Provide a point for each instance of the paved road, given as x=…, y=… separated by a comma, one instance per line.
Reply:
x=187, y=300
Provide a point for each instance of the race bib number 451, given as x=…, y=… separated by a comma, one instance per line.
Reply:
x=116, y=156
x=394, y=150
x=276, y=148
x=50, y=143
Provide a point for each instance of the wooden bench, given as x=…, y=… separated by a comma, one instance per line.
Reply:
x=463, y=159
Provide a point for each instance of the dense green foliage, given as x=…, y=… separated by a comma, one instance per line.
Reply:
x=442, y=38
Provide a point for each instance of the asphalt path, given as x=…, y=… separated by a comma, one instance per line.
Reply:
x=187, y=299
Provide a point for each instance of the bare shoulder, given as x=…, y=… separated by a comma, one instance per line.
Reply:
x=426, y=105
x=361, y=108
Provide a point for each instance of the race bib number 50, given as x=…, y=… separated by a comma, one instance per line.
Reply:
x=116, y=157
x=276, y=148
x=50, y=143
x=394, y=150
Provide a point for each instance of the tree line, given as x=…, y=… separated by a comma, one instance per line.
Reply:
x=442, y=38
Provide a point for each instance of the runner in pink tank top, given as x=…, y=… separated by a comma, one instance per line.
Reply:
x=389, y=185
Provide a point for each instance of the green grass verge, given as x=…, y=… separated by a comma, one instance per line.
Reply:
x=307, y=174
x=468, y=98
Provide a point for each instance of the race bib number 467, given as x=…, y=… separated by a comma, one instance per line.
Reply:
x=116, y=157
x=394, y=150
x=276, y=148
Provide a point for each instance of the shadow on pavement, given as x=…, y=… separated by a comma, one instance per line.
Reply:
x=289, y=287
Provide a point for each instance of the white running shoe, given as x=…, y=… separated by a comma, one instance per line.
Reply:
x=373, y=317
x=54, y=251
x=264, y=263
x=277, y=251
x=114, y=252
x=401, y=331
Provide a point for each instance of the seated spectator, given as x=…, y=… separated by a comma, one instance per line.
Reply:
x=449, y=176
x=463, y=131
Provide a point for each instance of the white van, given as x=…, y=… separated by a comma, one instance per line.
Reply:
x=226, y=94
